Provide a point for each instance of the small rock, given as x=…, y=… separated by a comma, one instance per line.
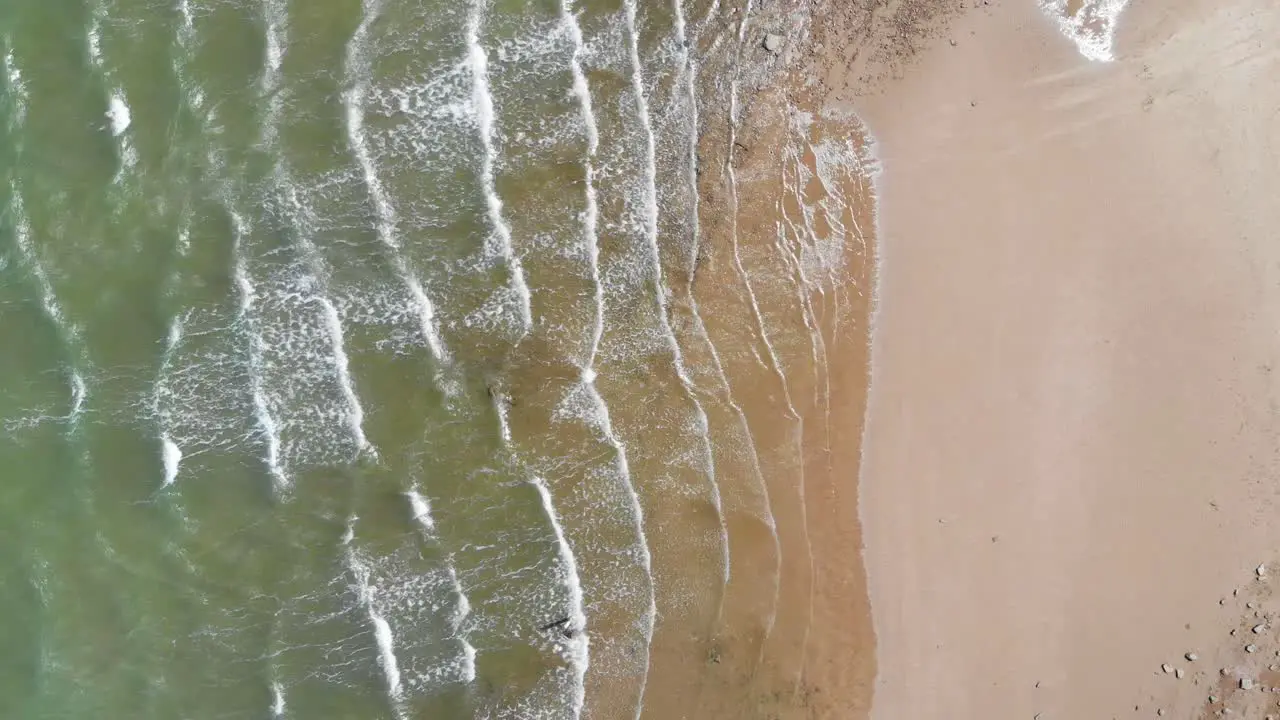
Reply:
x=773, y=43
x=1178, y=673
x=1191, y=657
x=1167, y=668
x=1261, y=571
x=1213, y=699
x=953, y=42
x=1257, y=629
x=1246, y=684
x=1232, y=633
x=1251, y=648
x=1160, y=712
x=1273, y=667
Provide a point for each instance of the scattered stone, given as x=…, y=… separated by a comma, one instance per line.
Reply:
x=1261, y=571
x=1225, y=672
x=1178, y=673
x=1232, y=633
x=1160, y=712
x=953, y=42
x=1167, y=668
x=1191, y=657
x=1251, y=648
x=1257, y=629
x=1213, y=699
x=773, y=43
x=1246, y=684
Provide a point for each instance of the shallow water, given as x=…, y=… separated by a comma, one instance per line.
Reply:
x=339, y=377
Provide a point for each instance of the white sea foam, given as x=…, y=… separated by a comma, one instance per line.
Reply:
x=468, y=661
x=93, y=40
x=421, y=510
x=355, y=413
x=172, y=457
x=580, y=655
x=1092, y=28
x=17, y=89
x=277, y=701
x=118, y=114
x=386, y=652
x=482, y=108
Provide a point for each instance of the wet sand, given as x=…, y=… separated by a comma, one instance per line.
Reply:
x=1071, y=448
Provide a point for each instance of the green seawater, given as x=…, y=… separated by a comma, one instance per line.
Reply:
x=335, y=371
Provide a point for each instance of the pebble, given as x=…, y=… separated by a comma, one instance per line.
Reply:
x=1257, y=629
x=1246, y=684
x=1261, y=571
x=1273, y=667
x=1167, y=668
x=773, y=42
x=1178, y=673
x=1191, y=657
x=1160, y=712
x=1251, y=648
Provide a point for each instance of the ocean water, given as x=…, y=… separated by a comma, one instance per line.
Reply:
x=337, y=374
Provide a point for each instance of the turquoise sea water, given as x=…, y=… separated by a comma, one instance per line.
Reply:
x=336, y=379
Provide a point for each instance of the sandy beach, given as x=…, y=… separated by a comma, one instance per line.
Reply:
x=1068, y=485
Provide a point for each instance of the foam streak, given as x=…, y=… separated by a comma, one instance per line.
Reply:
x=580, y=659
x=357, y=72
x=655, y=257
x=482, y=107
x=774, y=363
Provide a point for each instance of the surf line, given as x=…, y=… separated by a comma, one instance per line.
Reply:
x=357, y=70
x=482, y=110
x=655, y=257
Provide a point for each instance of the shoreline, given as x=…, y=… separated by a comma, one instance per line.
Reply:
x=783, y=281
x=1069, y=440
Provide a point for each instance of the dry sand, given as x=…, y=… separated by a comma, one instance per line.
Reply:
x=1072, y=443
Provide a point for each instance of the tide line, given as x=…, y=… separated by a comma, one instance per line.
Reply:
x=775, y=365
x=591, y=238
x=482, y=107
x=357, y=71
x=691, y=75
x=579, y=643
x=655, y=257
